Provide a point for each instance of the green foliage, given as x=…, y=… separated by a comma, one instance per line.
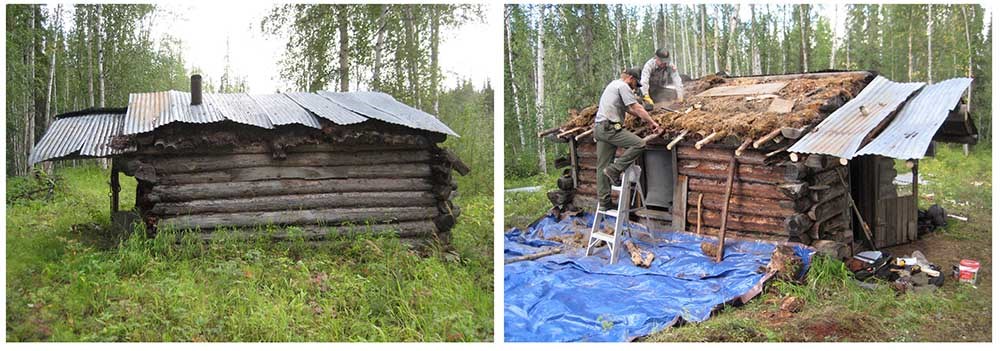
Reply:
x=469, y=112
x=583, y=53
x=69, y=279
x=522, y=208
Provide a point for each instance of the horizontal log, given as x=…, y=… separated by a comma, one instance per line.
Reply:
x=398, y=170
x=372, y=215
x=403, y=230
x=456, y=163
x=798, y=225
x=188, y=192
x=738, y=222
x=713, y=232
x=716, y=186
x=795, y=171
x=830, y=177
x=827, y=193
x=719, y=171
x=720, y=155
x=296, y=202
x=205, y=163
x=745, y=205
x=267, y=149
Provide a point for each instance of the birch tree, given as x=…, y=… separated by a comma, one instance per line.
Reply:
x=540, y=86
x=513, y=82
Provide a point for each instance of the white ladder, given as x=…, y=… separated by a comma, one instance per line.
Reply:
x=629, y=191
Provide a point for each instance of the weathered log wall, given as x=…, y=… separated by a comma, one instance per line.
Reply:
x=773, y=197
x=334, y=188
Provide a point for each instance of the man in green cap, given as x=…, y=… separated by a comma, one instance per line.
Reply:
x=617, y=99
x=660, y=79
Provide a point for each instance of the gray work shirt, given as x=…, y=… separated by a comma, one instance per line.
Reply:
x=666, y=77
x=615, y=99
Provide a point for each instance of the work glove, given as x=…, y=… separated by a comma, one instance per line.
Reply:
x=647, y=99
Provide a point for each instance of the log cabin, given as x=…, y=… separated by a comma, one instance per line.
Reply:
x=805, y=148
x=324, y=163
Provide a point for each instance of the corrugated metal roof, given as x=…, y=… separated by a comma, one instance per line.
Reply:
x=281, y=110
x=241, y=108
x=326, y=108
x=148, y=111
x=413, y=118
x=842, y=133
x=910, y=133
x=90, y=135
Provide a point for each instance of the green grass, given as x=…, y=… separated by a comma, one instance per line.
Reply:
x=68, y=279
x=836, y=308
x=522, y=208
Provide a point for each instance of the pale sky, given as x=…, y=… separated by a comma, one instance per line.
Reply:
x=204, y=28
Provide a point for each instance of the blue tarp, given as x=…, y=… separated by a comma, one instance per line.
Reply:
x=571, y=297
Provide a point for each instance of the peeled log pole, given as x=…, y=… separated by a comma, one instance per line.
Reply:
x=764, y=139
x=299, y=202
x=296, y=217
x=206, y=163
x=677, y=139
x=399, y=170
x=708, y=139
x=725, y=209
x=188, y=192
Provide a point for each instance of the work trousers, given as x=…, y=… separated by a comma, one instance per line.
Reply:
x=608, y=141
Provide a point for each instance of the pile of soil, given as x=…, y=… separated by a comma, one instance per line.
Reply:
x=814, y=98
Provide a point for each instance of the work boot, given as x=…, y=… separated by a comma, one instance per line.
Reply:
x=607, y=206
x=616, y=177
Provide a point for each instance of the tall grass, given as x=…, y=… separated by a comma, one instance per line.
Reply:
x=70, y=279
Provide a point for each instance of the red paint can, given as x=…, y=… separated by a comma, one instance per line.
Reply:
x=968, y=270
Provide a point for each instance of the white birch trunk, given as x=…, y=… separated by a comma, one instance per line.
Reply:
x=930, y=52
x=513, y=86
x=833, y=44
x=802, y=35
x=540, y=87
x=379, y=41
x=100, y=61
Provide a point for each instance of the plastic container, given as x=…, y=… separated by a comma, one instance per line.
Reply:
x=968, y=270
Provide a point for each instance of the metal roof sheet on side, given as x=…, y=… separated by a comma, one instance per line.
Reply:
x=414, y=118
x=281, y=110
x=326, y=108
x=842, y=133
x=910, y=133
x=90, y=135
x=148, y=111
x=240, y=108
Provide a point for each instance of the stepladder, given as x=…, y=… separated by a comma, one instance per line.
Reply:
x=630, y=200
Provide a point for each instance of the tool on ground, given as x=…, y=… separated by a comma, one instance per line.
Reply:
x=725, y=208
x=630, y=191
x=864, y=225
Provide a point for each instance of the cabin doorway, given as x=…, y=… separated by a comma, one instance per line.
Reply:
x=885, y=192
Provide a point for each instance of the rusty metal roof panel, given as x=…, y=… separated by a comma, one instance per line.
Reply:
x=408, y=116
x=326, y=108
x=241, y=108
x=281, y=110
x=910, y=133
x=90, y=135
x=842, y=133
x=148, y=111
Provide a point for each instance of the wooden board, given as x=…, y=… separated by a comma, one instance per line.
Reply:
x=755, y=89
x=779, y=105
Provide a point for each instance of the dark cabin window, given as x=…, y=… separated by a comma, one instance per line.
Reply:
x=660, y=174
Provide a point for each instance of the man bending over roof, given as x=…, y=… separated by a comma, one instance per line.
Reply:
x=658, y=74
x=618, y=97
